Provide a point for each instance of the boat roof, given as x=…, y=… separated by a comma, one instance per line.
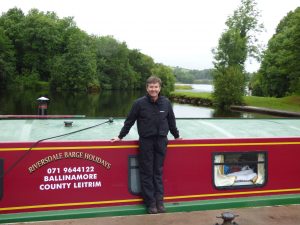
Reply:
x=23, y=130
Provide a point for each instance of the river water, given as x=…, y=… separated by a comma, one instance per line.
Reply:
x=199, y=87
x=104, y=104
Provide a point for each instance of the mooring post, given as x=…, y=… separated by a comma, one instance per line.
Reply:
x=227, y=218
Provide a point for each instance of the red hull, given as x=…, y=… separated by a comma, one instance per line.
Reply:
x=65, y=175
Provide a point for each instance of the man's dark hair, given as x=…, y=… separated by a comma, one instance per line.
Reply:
x=153, y=80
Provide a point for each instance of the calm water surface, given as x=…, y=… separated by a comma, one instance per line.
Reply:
x=199, y=87
x=104, y=104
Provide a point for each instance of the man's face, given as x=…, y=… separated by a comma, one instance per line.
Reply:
x=153, y=90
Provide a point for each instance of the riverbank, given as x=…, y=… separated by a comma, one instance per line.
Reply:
x=262, y=110
x=193, y=98
x=287, y=106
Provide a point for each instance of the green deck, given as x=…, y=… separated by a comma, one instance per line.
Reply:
x=13, y=130
x=36, y=129
x=139, y=209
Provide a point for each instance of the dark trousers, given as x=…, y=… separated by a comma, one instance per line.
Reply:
x=152, y=151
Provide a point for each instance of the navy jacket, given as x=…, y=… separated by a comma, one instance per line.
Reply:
x=153, y=118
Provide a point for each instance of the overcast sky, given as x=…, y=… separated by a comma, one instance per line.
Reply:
x=173, y=32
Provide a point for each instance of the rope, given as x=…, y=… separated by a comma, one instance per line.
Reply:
x=110, y=120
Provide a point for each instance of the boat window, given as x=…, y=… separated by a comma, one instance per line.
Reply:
x=134, y=176
x=235, y=170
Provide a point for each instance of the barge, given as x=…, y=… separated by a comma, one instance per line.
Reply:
x=52, y=171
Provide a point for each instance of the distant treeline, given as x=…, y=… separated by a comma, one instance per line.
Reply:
x=40, y=49
x=187, y=76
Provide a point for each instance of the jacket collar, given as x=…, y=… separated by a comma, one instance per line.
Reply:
x=150, y=99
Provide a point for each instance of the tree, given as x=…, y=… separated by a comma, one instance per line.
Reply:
x=7, y=60
x=42, y=41
x=232, y=50
x=183, y=75
x=187, y=76
x=113, y=67
x=236, y=44
x=279, y=74
x=12, y=24
x=232, y=81
x=142, y=65
x=166, y=75
x=41, y=47
x=76, y=68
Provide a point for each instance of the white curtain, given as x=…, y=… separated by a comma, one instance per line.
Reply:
x=220, y=178
x=260, y=169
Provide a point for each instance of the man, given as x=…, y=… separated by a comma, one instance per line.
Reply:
x=155, y=118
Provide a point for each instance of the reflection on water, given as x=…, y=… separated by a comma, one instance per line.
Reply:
x=104, y=104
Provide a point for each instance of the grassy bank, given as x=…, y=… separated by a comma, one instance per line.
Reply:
x=186, y=94
x=183, y=87
x=290, y=103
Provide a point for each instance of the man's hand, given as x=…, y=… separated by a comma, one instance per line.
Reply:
x=179, y=138
x=115, y=139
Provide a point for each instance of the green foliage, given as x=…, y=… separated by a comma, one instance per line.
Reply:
x=42, y=40
x=166, y=75
x=183, y=87
x=229, y=87
x=142, y=64
x=192, y=76
x=200, y=95
x=7, y=60
x=42, y=47
x=279, y=74
x=114, y=68
x=235, y=45
x=43, y=85
x=232, y=50
x=27, y=80
x=11, y=23
x=245, y=20
x=76, y=68
x=289, y=103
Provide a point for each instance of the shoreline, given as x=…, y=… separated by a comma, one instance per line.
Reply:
x=274, y=112
x=206, y=102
